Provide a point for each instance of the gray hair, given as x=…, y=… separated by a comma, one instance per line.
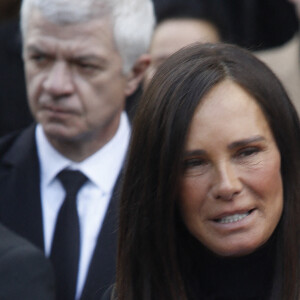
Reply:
x=133, y=21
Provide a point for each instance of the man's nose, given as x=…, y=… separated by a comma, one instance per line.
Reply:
x=227, y=183
x=59, y=81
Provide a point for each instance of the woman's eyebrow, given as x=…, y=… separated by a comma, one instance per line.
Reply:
x=247, y=141
x=233, y=145
x=197, y=152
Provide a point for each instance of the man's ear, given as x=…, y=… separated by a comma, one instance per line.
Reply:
x=136, y=74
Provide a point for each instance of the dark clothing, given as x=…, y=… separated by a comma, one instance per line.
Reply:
x=255, y=24
x=217, y=278
x=108, y=295
x=210, y=277
x=25, y=273
x=14, y=110
x=20, y=208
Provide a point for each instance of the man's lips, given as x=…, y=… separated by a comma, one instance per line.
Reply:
x=58, y=110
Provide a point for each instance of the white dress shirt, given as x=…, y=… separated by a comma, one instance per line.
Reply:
x=102, y=170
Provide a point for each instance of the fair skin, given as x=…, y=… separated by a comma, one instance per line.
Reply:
x=174, y=34
x=75, y=83
x=232, y=194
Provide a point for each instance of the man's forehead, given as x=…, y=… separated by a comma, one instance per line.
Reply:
x=38, y=23
x=45, y=34
x=76, y=49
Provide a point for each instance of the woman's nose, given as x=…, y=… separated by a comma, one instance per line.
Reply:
x=227, y=183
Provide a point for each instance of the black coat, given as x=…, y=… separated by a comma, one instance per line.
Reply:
x=25, y=273
x=20, y=208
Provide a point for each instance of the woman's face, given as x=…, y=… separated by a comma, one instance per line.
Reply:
x=231, y=194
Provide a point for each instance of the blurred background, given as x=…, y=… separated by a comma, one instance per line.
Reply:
x=254, y=24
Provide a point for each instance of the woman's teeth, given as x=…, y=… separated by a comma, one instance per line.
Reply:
x=233, y=218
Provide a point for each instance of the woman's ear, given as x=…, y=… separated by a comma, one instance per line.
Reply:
x=136, y=74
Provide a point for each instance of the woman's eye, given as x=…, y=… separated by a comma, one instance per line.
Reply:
x=194, y=162
x=195, y=166
x=249, y=151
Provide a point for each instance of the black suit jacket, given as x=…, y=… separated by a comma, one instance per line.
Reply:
x=110, y=294
x=20, y=208
x=25, y=273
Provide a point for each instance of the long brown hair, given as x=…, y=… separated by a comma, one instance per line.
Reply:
x=148, y=265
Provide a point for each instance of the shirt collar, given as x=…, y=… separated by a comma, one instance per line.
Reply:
x=102, y=168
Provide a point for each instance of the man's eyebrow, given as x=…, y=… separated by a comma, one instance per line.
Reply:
x=79, y=58
x=247, y=141
x=33, y=48
x=89, y=58
x=86, y=57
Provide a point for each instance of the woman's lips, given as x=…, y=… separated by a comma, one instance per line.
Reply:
x=232, y=217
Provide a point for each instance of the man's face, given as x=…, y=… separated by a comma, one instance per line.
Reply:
x=174, y=34
x=75, y=84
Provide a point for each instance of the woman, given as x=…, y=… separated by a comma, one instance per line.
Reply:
x=210, y=203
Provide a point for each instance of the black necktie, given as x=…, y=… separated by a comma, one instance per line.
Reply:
x=66, y=241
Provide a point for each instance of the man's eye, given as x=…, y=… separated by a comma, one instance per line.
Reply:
x=87, y=67
x=40, y=60
x=38, y=57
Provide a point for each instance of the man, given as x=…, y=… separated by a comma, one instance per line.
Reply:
x=173, y=34
x=25, y=273
x=82, y=59
x=284, y=61
x=178, y=25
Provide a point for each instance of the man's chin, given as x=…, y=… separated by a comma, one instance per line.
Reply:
x=61, y=133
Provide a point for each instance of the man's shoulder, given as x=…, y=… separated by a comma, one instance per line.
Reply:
x=11, y=241
x=18, y=250
x=25, y=271
x=7, y=141
x=17, y=141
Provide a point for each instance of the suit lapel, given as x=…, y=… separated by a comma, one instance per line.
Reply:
x=103, y=264
x=20, y=183
x=20, y=210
